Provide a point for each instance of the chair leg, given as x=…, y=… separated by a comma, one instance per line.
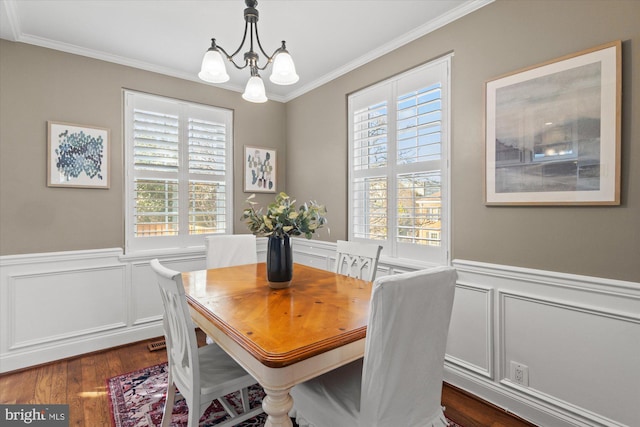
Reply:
x=228, y=406
x=244, y=397
x=168, y=404
x=194, y=417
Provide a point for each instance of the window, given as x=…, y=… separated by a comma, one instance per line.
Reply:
x=179, y=172
x=398, y=164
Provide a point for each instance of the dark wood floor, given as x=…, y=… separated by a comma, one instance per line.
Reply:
x=81, y=383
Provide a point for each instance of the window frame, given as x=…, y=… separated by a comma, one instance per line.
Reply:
x=186, y=110
x=389, y=90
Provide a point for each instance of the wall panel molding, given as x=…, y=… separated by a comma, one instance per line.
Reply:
x=477, y=327
x=44, y=297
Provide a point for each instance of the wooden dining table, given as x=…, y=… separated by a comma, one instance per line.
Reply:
x=282, y=337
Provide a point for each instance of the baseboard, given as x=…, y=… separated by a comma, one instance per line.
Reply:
x=29, y=358
x=487, y=403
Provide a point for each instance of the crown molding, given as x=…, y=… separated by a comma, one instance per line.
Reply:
x=12, y=21
x=457, y=13
x=428, y=27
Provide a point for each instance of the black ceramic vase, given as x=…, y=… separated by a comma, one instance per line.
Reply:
x=279, y=262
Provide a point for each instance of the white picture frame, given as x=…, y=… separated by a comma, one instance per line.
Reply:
x=78, y=156
x=260, y=170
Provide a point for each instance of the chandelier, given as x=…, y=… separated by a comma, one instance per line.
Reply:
x=283, y=71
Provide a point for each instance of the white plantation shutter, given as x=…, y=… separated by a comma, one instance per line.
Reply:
x=178, y=172
x=155, y=161
x=398, y=166
x=207, y=147
x=370, y=149
x=420, y=125
x=370, y=154
x=209, y=153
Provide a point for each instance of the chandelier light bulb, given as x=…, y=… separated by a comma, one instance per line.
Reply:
x=284, y=70
x=254, y=92
x=213, y=69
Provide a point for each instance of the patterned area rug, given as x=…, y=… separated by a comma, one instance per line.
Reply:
x=137, y=400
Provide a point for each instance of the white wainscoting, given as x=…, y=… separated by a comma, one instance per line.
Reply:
x=579, y=336
x=57, y=305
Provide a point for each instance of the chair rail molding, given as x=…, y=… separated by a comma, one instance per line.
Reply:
x=570, y=331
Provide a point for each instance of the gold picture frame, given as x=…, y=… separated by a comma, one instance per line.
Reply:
x=552, y=131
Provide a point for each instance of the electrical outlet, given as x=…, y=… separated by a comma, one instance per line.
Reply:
x=519, y=373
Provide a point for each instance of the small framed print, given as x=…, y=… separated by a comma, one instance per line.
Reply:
x=260, y=170
x=553, y=132
x=78, y=156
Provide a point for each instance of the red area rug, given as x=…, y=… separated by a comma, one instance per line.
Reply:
x=137, y=400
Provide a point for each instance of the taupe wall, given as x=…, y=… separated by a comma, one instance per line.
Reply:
x=39, y=84
x=502, y=37
x=310, y=134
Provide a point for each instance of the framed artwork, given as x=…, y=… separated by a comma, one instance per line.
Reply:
x=259, y=170
x=553, y=132
x=77, y=156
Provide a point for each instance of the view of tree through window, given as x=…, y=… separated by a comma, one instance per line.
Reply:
x=371, y=220
x=419, y=209
x=206, y=207
x=156, y=208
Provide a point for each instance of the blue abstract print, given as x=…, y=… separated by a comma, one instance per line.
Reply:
x=79, y=152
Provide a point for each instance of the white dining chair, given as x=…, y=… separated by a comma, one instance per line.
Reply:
x=226, y=250
x=202, y=374
x=399, y=380
x=356, y=259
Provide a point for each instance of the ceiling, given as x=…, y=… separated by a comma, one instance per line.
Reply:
x=326, y=38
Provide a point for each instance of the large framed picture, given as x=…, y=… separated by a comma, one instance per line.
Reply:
x=259, y=170
x=77, y=156
x=553, y=132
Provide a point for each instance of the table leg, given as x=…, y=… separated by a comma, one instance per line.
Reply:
x=277, y=404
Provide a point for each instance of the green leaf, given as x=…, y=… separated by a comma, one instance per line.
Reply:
x=283, y=218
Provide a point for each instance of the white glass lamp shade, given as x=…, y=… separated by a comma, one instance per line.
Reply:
x=284, y=71
x=213, y=69
x=254, y=92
